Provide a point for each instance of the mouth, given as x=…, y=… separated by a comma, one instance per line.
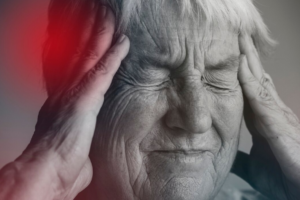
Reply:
x=185, y=156
x=181, y=152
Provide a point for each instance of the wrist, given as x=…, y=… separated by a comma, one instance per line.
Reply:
x=23, y=181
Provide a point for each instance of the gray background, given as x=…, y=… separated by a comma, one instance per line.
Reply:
x=21, y=85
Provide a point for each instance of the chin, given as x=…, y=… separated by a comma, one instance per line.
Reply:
x=186, y=188
x=179, y=176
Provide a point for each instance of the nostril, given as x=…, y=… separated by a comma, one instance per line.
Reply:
x=172, y=120
x=190, y=113
x=187, y=121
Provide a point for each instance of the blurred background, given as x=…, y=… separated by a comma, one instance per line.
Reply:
x=22, y=32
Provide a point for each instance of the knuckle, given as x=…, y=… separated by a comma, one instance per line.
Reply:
x=104, y=29
x=264, y=95
x=250, y=81
x=265, y=99
x=113, y=56
x=267, y=83
x=265, y=80
x=77, y=53
x=268, y=76
x=113, y=52
x=100, y=67
x=101, y=30
x=269, y=79
x=90, y=55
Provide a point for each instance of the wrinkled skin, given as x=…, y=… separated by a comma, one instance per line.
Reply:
x=168, y=128
x=170, y=123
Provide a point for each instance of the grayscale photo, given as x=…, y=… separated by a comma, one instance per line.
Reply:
x=149, y=100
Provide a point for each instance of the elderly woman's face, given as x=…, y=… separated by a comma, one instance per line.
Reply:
x=170, y=123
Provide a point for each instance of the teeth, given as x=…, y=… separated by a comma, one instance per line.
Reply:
x=182, y=157
x=187, y=159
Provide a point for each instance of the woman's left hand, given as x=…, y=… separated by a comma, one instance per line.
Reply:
x=273, y=166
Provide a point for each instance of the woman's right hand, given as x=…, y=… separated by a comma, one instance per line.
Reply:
x=56, y=164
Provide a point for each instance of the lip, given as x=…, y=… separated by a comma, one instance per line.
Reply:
x=180, y=151
x=186, y=156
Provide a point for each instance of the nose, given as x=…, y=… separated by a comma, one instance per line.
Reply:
x=188, y=109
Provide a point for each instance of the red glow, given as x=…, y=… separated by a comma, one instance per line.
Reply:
x=27, y=24
x=24, y=28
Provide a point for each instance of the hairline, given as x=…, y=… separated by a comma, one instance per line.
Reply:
x=241, y=15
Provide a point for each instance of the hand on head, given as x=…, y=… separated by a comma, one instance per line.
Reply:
x=57, y=157
x=272, y=166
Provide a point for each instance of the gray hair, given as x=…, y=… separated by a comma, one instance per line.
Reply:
x=241, y=15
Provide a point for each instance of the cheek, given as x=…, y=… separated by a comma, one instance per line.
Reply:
x=132, y=114
x=123, y=122
x=227, y=112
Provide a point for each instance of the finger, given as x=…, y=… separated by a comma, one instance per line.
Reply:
x=259, y=98
x=97, y=81
x=68, y=38
x=267, y=83
x=98, y=43
x=101, y=39
x=83, y=29
x=86, y=99
x=247, y=80
x=247, y=48
x=269, y=116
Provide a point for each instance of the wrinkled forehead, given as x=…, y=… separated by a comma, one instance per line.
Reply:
x=165, y=30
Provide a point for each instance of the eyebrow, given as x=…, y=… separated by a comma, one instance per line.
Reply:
x=155, y=59
x=230, y=63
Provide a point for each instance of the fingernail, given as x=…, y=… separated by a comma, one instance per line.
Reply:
x=121, y=39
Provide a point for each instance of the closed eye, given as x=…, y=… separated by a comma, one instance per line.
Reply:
x=218, y=85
